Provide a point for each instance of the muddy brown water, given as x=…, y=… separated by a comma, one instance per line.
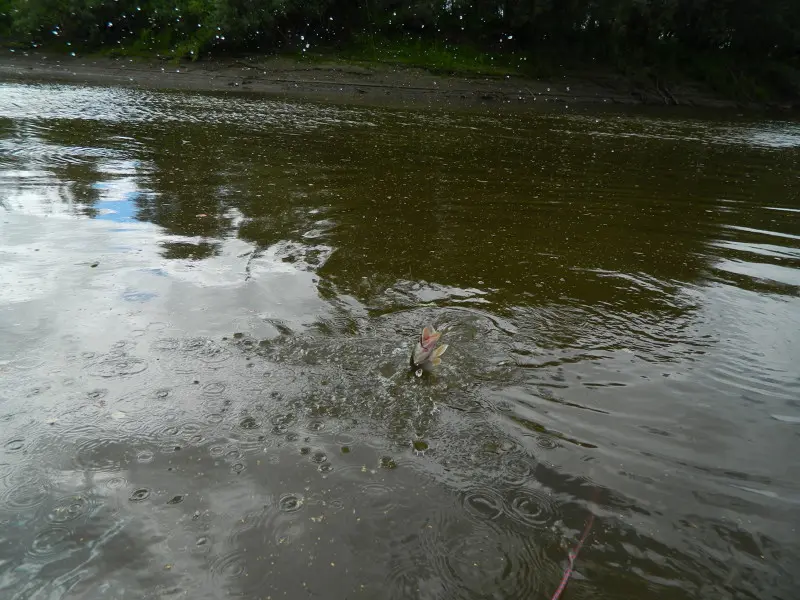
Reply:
x=207, y=305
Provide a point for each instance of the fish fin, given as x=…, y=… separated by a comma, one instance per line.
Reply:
x=429, y=336
x=426, y=333
x=439, y=351
x=436, y=361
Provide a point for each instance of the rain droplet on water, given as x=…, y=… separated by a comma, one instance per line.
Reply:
x=139, y=495
x=387, y=462
x=290, y=502
x=420, y=445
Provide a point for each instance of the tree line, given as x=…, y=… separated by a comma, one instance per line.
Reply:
x=610, y=32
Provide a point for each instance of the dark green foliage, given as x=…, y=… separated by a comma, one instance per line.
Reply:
x=729, y=37
x=5, y=16
x=159, y=25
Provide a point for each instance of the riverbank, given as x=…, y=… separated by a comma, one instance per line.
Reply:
x=338, y=81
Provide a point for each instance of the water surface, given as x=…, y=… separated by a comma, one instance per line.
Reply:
x=206, y=311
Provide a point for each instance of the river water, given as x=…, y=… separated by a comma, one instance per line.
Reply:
x=207, y=305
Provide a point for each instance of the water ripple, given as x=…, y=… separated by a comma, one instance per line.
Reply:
x=71, y=507
x=534, y=508
x=25, y=491
x=121, y=366
x=51, y=542
x=483, y=503
x=471, y=559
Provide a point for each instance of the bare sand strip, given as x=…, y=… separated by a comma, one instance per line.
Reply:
x=340, y=82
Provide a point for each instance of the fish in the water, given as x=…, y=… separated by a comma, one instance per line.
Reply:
x=426, y=355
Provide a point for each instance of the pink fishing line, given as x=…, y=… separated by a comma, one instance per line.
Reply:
x=572, y=556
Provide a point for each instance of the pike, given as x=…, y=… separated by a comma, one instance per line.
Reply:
x=426, y=355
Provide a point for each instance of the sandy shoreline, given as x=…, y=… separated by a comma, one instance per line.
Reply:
x=374, y=84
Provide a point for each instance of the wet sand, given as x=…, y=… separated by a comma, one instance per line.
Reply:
x=337, y=82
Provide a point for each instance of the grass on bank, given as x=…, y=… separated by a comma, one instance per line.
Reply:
x=435, y=56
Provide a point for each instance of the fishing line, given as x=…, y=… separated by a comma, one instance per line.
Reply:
x=573, y=554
